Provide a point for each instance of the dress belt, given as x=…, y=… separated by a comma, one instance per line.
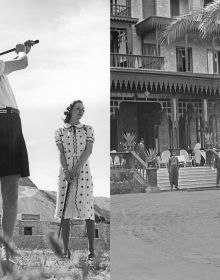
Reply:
x=9, y=110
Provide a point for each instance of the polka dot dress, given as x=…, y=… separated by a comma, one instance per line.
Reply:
x=80, y=202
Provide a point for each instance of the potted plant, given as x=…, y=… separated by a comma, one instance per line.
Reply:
x=151, y=158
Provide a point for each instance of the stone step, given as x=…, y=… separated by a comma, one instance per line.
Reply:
x=189, y=175
x=185, y=185
x=189, y=178
x=193, y=189
x=188, y=170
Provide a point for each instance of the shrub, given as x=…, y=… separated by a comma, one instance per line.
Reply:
x=126, y=186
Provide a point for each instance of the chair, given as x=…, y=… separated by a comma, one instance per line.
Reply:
x=116, y=161
x=164, y=158
x=187, y=157
x=182, y=160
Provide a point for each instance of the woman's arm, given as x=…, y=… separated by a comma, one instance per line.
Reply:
x=83, y=157
x=63, y=162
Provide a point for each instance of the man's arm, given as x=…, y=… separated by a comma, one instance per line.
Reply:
x=20, y=62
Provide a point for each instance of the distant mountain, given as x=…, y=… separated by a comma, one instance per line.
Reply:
x=101, y=205
x=26, y=181
x=32, y=200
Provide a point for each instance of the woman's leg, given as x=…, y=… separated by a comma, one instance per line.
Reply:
x=90, y=225
x=66, y=234
x=9, y=189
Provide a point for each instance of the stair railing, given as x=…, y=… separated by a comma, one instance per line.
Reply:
x=129, y=160
x=212, y=156
x=139, y=166
x=120, y=160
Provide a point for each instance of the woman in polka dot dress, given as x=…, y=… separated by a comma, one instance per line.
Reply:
x=75, y=142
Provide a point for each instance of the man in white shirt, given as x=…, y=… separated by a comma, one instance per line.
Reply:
x=13, y=153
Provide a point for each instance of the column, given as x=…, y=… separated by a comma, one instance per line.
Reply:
x=205, y=113
x=175, y=124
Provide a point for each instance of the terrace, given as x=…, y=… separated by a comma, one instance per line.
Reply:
x=120, y=10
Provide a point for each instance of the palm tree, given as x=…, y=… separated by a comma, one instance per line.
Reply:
x=205, y=20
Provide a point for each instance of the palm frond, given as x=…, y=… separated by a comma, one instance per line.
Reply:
x=129, y=138
x=150, y=154
x=181, y=26
x=210, y=19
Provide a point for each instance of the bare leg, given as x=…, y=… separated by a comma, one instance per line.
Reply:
x=65, y=235
x=9, y=188
x=90, y=224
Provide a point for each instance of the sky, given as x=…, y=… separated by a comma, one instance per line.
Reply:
x=71, y=62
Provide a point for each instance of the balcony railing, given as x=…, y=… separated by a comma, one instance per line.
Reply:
x=120, y=10
x=121, y=160
x=137, y=61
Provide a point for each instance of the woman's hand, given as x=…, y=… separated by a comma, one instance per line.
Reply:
x=68, y=176
x=75, y=171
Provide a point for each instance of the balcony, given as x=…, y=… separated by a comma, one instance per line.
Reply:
x=137, y=61
x=120, y=10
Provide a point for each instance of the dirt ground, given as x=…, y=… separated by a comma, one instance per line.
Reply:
x=166, y=236
x=44, y=264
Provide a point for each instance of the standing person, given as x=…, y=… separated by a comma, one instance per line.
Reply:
x=13, y=153
x=173, y=169
x=197, y=152
x=217, y=165
x=141, y=151
x=75, y=143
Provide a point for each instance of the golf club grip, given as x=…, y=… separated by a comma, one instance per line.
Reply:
x=35, y=42
x=12, y=50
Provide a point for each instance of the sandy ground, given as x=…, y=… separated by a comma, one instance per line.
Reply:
x=166, y=236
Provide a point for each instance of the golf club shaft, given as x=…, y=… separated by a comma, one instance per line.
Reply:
x=12, y=50
x=64, y=208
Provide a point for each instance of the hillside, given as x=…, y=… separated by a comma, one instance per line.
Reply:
x=35, y=201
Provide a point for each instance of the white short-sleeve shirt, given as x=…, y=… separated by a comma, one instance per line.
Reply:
x=7, y=98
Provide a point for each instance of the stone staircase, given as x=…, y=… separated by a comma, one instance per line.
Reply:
x=190, y=178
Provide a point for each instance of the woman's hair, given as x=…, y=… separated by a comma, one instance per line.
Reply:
x=68, y=111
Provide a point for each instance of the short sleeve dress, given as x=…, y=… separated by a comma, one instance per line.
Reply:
x=80, y=202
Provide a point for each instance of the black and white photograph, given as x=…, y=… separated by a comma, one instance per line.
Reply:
x=54, y=140
x=165, y=139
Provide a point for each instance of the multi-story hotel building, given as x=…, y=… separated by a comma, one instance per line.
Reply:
x=167, y=94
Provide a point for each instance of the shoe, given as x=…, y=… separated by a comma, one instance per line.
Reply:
x=91, y=256
x=176, y=188
x=6, y=255
x=7, y=263
x=7, y=266
x=66, y=255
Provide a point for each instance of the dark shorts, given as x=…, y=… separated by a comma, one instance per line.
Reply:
x=173, y=177
x=13, y=152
